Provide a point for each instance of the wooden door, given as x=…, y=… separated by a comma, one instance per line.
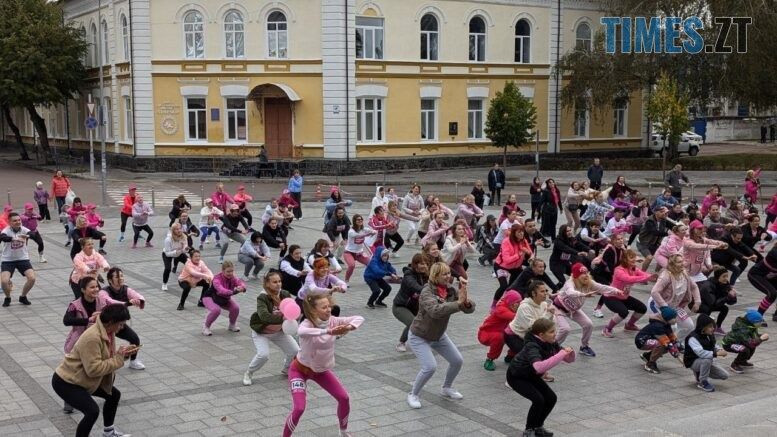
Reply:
x=277, y=128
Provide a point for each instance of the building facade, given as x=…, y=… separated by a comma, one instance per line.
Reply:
x=342, y=79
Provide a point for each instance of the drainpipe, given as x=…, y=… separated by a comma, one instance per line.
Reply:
x=347, y=89
x=557, y=143
x=132, y=83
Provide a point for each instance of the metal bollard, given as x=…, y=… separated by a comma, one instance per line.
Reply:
x=457, y=191
x=9, y=197
x=693, y=190
x=153, y=198
x=202, y=196
x=650, y=192
x=253, y=189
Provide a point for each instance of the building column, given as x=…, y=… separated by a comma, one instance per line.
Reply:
x=142, y=94
x=339, y=85
x=556, y=44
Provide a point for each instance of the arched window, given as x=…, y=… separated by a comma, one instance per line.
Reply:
x=106, y=51
x=234, y=38
x=430, y=37
x=194, y=35
x=277, y=36
x=583, y=37
x=125, y=36
x=94, y=46
x=477, y=39
x=86, y=58
x=522, y=42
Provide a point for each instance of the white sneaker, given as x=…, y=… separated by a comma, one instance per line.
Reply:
x=247, y=378
x=136, y=365
x=598, y=314
x=394, y=254
x=221, y=260
x=206, y=331
x=413, y=401
x=164, y=287
x=234, y=328
x=450, y=392
x=115, y=433
x=246, y=279
x=255, y=277
x=344, y=433
x=401, y=347
x=42, y=259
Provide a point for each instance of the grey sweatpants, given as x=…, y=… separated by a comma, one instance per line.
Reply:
x=234, y=236
x=707, y=368
x=423, y=352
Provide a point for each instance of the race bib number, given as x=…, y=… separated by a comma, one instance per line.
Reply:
x=297, y=384
x=565, y=257
x=340, y=228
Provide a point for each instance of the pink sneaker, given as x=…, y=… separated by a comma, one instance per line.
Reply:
x=720, y=331
x=631, y=327
x=607, y=333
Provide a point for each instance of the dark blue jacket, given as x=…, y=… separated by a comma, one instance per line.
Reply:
x=377, y=268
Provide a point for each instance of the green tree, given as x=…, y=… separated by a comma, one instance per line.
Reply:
x=667, y=108
x=511, y=119
x=40, y=59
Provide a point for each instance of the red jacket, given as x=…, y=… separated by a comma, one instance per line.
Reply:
x=126, y=209
x=500, y=317
x=59, y=186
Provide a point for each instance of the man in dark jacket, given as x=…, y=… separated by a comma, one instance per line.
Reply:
x=496, y=183
x=674, y=181
x=737, y=251
x=595, y=174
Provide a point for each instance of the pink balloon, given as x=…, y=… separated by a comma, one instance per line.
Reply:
x=285, y=302
x=291, y=312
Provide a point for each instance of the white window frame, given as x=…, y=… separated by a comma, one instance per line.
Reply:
x=472, y=120
x=234, y=113
x=426, y=39
x=106, y=43
x=125, y=36
x=523, y=41
x=234, y=29
x=586, y=118
x=94, y=46
x=477, y=37
x=582, y=42
x=129, y=127
x=372, y=32
x=429, y=117
x=620, y=118
x=272, y=33
x=378, y=119
x=196, y=112
x=190, y=29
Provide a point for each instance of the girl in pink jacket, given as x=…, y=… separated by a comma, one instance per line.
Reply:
x=316, y=359
x=673, y=244
x=626, y=275
x=674, y=288
x=219, y=296
x=696, y=252
x=752, y=184
x=195, y=274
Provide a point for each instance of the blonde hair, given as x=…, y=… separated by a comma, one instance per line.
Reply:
x=227, y=264
x=309, y=305
x=436, y=271
x=469, y=197
x=181, y=237
x=675, y=265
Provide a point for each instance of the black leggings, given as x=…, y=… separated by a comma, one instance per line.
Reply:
x=379, y=288
x=80, y=399
x=131, y=336
x=397, y=238
x=764, y=285
x=769, y=219
x=622, y=307
x=504, y=282
x=634, y=233
x=742, y=356
x=124, y=218
x=560, y=269
x=247, y=215
x=722, y=309
x=35, y=236
x=75, y=289
x=542, y=398
x=43, y=211
x=186, y=287
x=514, y=342
x=137, y=230
x=297, y=210
x=535, y=209
x=180, y=259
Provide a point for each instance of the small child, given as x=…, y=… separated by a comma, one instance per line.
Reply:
x=378, y=269
x=42, y=198
x=701, y=351
x=540, y=354
x=657, y=338
x=64, y=218
x=744, y=338
x=93, y=219
x=491, y=331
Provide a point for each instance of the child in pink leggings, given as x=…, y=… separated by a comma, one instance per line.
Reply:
x=316, y=359
x=219, y=296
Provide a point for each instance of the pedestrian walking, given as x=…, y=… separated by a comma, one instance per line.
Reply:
x=675, y=180
x=60, y=187
x=535, y=197
x=595, y=174
x=128, y=202
x=42, y=199
x=550, y=207
x=496, y=183
x=295, y=189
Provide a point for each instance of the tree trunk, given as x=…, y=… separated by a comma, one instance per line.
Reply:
x=40, y=127
x=16, y=133
x=504, y=157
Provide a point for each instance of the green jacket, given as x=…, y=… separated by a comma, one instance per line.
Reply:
x=744, y=333
x=264, y=312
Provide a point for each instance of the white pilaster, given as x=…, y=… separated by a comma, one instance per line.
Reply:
x=142, y=97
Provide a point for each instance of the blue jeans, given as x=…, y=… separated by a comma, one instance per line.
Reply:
x=423, y=352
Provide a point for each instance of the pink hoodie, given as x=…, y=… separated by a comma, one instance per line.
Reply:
x=672, y=245
x=194, y=273
x=623, y=279
x=316, y=346
x=697, y=255
x=82, y=263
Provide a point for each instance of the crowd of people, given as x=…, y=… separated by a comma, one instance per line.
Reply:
x=607, y=245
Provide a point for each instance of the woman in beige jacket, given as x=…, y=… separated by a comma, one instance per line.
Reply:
x=88, y=370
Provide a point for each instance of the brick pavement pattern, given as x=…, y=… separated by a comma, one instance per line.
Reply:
x=192, y=384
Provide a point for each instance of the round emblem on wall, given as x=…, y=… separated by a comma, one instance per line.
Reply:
x=169, y=125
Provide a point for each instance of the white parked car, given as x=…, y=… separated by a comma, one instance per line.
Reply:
x=691, y=136
x=687, y=144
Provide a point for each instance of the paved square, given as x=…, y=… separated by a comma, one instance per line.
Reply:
x=192, y=384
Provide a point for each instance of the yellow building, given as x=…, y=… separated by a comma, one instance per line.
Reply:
x=343, y=79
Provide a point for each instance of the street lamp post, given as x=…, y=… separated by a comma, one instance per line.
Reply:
x=101, y=103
